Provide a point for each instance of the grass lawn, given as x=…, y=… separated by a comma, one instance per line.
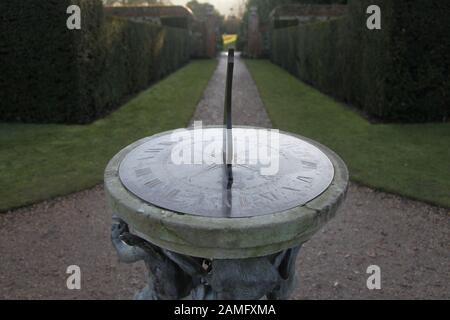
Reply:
x=38, y=162
x=412, y=160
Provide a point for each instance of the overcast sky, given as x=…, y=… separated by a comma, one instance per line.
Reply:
x=223, y=6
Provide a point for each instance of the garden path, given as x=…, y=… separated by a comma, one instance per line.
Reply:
x=408, y=240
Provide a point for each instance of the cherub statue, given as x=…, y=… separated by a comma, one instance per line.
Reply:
x=176, y=276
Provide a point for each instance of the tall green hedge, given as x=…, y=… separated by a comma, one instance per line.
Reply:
x=50, y=74
x=399, y=73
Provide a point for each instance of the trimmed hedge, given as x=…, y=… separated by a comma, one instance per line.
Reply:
x=50, y=74
x=397, y=74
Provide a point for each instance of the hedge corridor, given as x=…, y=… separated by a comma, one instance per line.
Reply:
x=397, y=74
x=51, y=74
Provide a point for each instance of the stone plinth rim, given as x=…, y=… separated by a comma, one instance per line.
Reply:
x=220, y=238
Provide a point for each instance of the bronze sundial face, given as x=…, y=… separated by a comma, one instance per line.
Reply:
x=301, y=173
x=226, y=172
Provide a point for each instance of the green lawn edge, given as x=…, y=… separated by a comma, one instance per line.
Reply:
x=411, y=160
x=43, y=161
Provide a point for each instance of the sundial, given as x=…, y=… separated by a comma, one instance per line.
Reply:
x=303, y=173
x=215, y=187
x=199, y=195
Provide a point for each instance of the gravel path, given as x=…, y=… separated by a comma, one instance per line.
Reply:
x=409, y=240
x=247, y=105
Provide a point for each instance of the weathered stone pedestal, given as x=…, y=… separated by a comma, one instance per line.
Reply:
x=199, y=257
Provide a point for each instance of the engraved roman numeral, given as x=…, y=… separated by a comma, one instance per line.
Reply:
x=153, y=183
x=146, y=158
x=243, y=201
x=212, y=167
x=153, y=150
x=166, y=143
x=142, y=172
x=269, y=196
x=291, y=189
x=172, y=193
x=309, y=164
x=307, y=180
